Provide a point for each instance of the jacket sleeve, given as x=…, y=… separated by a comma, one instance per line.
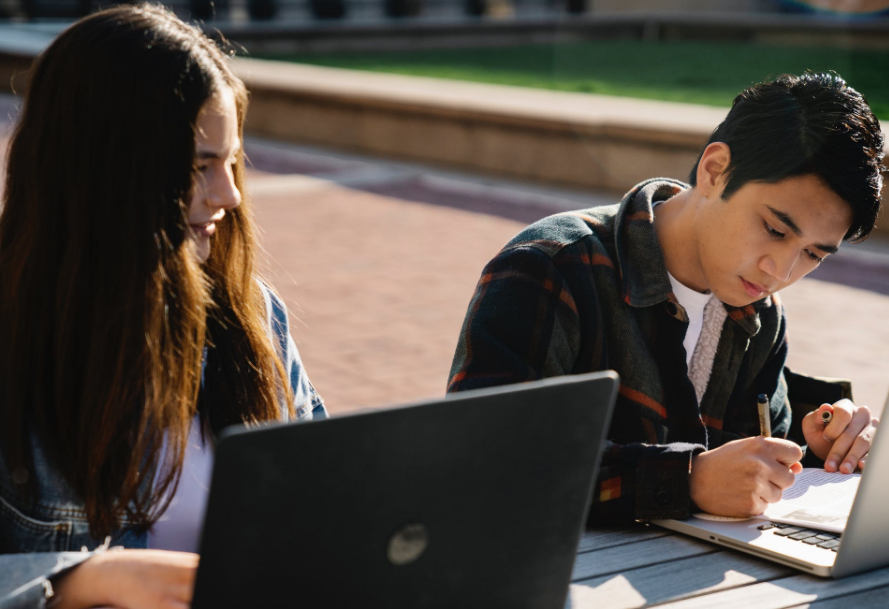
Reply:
x=643, y=482
x=26, y=579
x=307, y=403
x=522, y=325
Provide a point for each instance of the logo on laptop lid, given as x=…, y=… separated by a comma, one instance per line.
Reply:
x=407, y=544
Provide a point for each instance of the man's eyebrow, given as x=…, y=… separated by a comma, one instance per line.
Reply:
x=829, y=249
x=786, y=220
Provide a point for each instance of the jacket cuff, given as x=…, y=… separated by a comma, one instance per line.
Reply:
x=662, y=484
x=43, y=569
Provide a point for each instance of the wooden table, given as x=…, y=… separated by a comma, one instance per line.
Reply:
x=641, y=566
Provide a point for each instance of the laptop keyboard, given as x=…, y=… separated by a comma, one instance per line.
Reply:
x=820, y=539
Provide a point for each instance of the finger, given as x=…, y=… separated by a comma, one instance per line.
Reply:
x=781, y=476
x=860, y=448
x=843, y=443
x=759, y=506
x=842, y=415
x=782, y=451
x=862, y=462
x=771, y=493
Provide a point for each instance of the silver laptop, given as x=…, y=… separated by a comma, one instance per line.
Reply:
x=861, y=545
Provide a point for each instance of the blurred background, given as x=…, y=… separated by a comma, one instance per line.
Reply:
x=396, y=145
x=362, y=10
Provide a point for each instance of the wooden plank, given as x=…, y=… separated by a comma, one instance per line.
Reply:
x=674, y=580
x=607, y=537
x=876, y=598
x=787, y=592
x=639, y=554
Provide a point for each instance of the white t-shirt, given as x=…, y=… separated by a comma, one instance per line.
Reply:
x=693, y=302
x=706, y=316
x=179, y=527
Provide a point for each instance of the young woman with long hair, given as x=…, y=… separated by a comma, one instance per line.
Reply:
x=133, y=326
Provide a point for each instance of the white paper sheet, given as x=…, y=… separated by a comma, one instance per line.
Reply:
x=817, y=499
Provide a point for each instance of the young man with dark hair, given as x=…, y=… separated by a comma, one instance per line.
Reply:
x=676, y=287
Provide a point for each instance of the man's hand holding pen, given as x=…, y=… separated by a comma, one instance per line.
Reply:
x=843, y=439
x=758, y=471
x=741, y=478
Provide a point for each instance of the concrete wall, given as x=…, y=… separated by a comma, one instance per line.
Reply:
x=560, y=138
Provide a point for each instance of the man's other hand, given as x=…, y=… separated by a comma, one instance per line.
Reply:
x=843, y=443
x=743, y=477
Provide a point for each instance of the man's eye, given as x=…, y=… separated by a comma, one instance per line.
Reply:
x=772, y=231
x=814, y=257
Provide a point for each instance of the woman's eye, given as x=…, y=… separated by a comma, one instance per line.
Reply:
x=772, y=231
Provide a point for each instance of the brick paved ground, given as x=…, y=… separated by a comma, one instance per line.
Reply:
x=377, y=262
x=379, y=281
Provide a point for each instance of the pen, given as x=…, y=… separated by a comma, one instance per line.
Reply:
x=765, y=422
x=826, y=416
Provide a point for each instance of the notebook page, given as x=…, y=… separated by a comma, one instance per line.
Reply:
x=817, y=499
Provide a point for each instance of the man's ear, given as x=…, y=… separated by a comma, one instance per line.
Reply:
x=711, y=169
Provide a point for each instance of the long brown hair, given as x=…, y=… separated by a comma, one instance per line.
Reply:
x=105, y=312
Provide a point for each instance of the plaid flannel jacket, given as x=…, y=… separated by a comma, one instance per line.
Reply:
x=588, y=290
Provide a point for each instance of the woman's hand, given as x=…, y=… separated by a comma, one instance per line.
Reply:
x=129, y=579
x=843, y=443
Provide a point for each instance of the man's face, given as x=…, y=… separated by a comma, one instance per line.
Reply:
x=767, y=236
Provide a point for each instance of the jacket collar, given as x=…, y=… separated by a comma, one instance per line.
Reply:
x=643, y=274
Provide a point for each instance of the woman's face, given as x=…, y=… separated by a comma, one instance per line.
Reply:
x=216, y=148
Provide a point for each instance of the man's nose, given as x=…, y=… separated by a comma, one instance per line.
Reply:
x=778, y=265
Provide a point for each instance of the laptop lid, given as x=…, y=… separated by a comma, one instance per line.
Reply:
x=865, y=542
x=478, y=499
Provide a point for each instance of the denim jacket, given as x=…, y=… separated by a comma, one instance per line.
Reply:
x=45, y=538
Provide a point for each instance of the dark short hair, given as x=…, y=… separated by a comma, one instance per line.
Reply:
x=813, y=124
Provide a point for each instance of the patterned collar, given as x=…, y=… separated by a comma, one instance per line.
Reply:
x=641, y=265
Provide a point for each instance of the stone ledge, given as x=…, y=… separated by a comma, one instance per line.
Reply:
x=573, y=139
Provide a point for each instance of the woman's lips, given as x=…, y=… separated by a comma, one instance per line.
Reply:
x=205, y=229
x=753, y=290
